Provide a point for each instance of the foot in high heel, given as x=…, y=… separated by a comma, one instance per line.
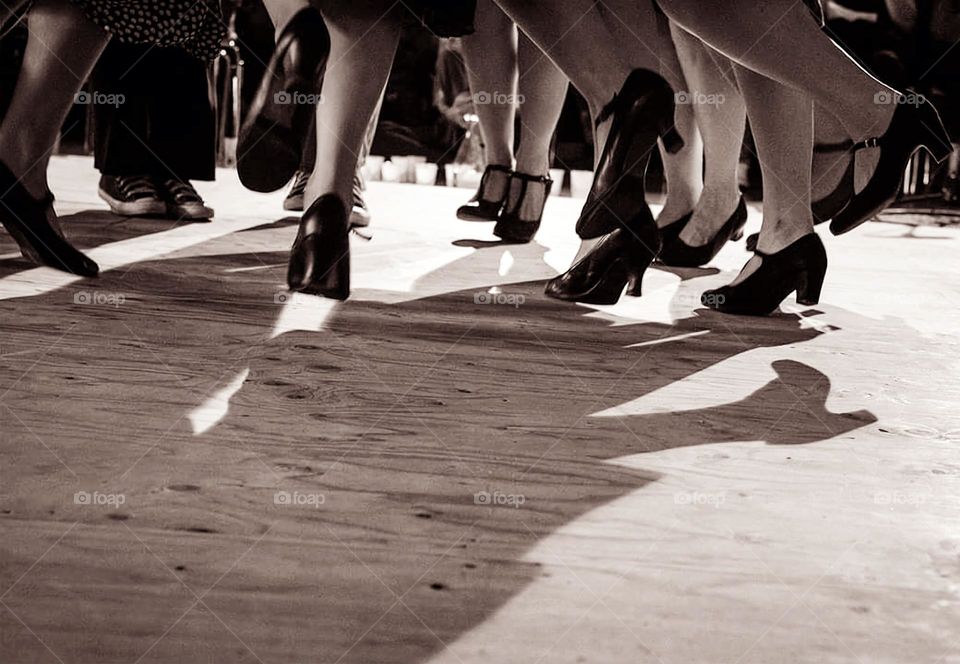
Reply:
x=512, y=226
x=642, y=113
x=677, y=253
x=800, y=267
x=28, y=221
x=913, y=126
x=483, y=206
x=320, y=257
x=619, y=259
x=271, y=139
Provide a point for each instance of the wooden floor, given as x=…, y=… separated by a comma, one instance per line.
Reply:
x=449, y=467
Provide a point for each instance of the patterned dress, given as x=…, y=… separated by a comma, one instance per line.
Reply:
x=194, y=25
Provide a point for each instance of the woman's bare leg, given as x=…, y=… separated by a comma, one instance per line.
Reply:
x=490, y=56
x=542, y=89
x=721, y=117
x=362, y=44
x=62, y=48
x=782, y=122
x=281, y=11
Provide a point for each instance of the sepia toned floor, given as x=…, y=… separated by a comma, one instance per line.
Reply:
x=196, y=466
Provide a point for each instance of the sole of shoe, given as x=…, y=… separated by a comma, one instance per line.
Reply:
x=141, y=208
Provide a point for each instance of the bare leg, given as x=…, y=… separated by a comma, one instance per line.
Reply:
x=780, y=39
x=281, y=11
x=362, y=46
x=490, y=56
x=782, y=123
x=721, y=116
x=61, y=50
x=542, y=90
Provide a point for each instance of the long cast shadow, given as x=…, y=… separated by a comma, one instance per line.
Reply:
x=410, y=419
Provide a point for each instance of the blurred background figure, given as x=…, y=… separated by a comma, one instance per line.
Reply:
x=158, y=136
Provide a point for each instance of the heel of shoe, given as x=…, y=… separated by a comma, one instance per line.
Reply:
x=635, y=285
x=811, y=280
x=808, y=291
x=672, y=140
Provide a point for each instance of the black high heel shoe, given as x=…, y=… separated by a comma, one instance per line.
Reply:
x=618, y=260
x=677, y=253
x=913, y=126
x=642, y=113
x=798, y=267
x=320, y=257
x=272, y=136
x=511, y=227
x=28, y=222
x=480, y=208
x=671, y=231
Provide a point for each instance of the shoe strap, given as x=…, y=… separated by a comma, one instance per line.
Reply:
x=485, y=178
x=525, y=179
x=848, y=145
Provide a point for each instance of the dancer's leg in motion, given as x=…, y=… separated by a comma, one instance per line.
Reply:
x=490, y=56
x=362, y=45
x=363, y=40
x=542, y=89
x=644, y=38
x=781, y=119
x=721, y=118
x=61, y=50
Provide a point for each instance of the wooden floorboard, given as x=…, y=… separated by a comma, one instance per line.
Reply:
x=526, y=481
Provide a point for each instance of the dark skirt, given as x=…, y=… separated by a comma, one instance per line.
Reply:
x=193, y=25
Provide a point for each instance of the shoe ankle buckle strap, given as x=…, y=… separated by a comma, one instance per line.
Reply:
x=485, y=178
x=525, y=179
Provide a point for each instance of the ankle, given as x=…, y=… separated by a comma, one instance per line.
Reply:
x=775, y=236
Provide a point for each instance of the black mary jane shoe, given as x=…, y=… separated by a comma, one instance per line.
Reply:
x=272, y=136
x=320, y=257
x=799, y=267
x=914, y=126
x=642, y=113
x=28, y=221
x=511, y=227
x=480, y=207
x=618, y=260
x=677, y=253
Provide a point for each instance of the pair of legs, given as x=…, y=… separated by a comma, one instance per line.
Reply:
x=508, y=67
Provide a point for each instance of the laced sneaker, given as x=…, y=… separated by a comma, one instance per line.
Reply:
x=131, y=195
x=183, y=201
